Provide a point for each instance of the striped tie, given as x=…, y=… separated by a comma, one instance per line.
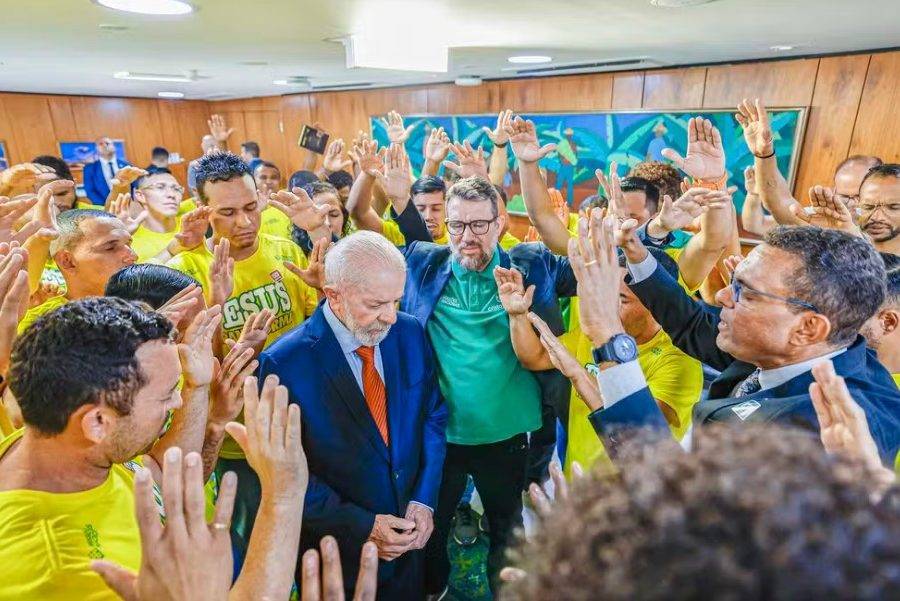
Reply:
x=373, y=389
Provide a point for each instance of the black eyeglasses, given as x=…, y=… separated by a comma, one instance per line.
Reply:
x=738, y=287
x=478, y=227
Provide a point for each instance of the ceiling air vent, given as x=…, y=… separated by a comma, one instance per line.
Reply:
x=610, y=65
x=343, y=86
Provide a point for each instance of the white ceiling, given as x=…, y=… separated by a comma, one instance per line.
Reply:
x=57, y=46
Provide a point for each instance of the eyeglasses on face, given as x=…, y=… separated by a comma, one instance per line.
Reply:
x=891, y=208
x=478, y=227
x=163, y=187
x=737, y=288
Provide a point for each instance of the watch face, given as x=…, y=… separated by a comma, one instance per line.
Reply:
x=625, y=348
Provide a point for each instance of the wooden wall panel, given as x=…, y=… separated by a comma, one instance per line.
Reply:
x=877, y=130
x=781, y=83
x=449, y=98
x=570, y=93
x=628, y=90
x=263, y=128
x=191, y=122
x=30, y=126
x=829, y=126
x=294, y=114
x=674, y=88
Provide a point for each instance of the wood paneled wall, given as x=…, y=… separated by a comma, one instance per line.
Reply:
x=851, y=101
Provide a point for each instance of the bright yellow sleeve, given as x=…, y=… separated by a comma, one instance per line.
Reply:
x=391, y=231
x=676, y=381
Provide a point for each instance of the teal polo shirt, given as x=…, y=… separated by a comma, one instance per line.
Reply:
x=490, y=396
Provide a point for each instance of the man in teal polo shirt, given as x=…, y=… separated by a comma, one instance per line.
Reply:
x=493, y=401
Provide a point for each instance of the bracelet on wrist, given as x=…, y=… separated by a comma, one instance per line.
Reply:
x=768, y=156
x=504, y=145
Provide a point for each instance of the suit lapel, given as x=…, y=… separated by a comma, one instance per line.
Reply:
x=339, y=375
x=734, y=374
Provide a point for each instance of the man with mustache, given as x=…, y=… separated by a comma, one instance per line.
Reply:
x=879, y=207
x=365, y=379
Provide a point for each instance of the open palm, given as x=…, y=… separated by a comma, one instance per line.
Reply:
x=705, y=157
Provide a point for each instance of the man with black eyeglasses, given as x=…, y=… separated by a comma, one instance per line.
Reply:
x=493, y=401
x=799, y=298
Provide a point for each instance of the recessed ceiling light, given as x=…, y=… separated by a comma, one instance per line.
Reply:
x=468, y=81
x=112, y=27
x=280, y=82
x=529, y=59
x=171, y=94
x=153, y=76
x=149, y=7
x=678, y=3
x=781, y=47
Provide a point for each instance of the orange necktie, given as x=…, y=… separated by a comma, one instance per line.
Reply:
x=373, y=389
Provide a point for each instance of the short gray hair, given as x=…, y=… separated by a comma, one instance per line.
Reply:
x=69, y=226
x=351, y=260
x=475, y=189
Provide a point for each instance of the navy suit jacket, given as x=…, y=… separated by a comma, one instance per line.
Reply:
x=353, y=474
x=694, y=329
x=95, y=185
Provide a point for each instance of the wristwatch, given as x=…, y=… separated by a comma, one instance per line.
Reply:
x=712, y=184
x=621, y=348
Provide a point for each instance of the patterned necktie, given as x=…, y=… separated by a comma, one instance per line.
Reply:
x=373, y=389
x=750, y=385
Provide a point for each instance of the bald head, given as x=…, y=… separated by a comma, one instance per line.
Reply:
x=208, y=144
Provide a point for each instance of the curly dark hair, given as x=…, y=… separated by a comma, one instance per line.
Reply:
x=219, y=167
x=753, y=513
x=340, y=179
x=81, y=353
x=664, y=176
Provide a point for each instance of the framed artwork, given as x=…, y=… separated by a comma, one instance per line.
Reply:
x=591, y=140
x=4, y=158
x=76, y=154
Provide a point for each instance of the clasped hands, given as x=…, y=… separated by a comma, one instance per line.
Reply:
x=395, y=536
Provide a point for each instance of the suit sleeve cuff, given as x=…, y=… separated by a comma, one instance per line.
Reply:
x=431, y=509
x=620, y=381
x=643, y=270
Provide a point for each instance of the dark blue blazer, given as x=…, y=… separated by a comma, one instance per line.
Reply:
x=95, y=185
x=353, y=474
x=694, y=329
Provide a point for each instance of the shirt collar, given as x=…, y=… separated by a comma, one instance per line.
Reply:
x=345, y=337
x=770, y=378
x=488, y=272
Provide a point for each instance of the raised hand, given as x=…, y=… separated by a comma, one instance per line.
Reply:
x=186, y=558
x=327, y=581
x=397, y=134
x=369, y=159
x=705, y=155
x=396, y=179
x=193, y=228
x=523, y=137
x=256, y=330
x=270, y=438
x=13, y=299
x=221, y=273
x=843, y=427
x=219, y=130
x=182, y=304
x=196, y=348
x=45, y=211
x=612, y=189
x=23, y=178
x=727, y=266
x=826, y=211
x=11, y=211
x=299, y=208
x=757, y=132
x=227, y=393
x=559, y=355
x=45, y=291
x=314, y=274
x=126, y=176
x=121, y=208
x=498, y=135
x=437, y=145
x=333, y=159
x=516, y=300
x=681, y=213
x=540, y=497
x=469, y=163
x=750, y=180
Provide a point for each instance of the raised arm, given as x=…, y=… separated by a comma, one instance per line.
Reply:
x=523, y=138
x=436, y=149
x=753, y=218
x=499, y=164
x=359, y=203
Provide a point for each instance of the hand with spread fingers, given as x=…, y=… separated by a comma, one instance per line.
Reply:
x=186, y=558
x=121, y=208
x=184, y=303
x=826, y=211
x=227, y=395
x=369, y=159
x=612, y=189
x=541, y=497
x=126, y=176
x=11, y=211
x=516, y=300
x=705, y=157
x=393, y=123
x=469, y=161
x=395, y=178
x=23, y=177
x=498, y=135
x=322, y=577
x=192, y=232
x=314, y=274
x=196, y=348
x=13, y=299
x=219, y=130
x=221, y=273
x=682, y=212
x=333, y=159
x=256, y=330
x=523, y=138
x=299, y=208
x=757, y=131
x=437, y=145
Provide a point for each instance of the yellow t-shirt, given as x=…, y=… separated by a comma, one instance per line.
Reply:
x=147, y=243
x=186, y=206
x=50, y=539
x=675, y=381
x=508, y=241
x=275, y=223
x=261, y=281
x=896, y=379
x=33, y=313
x=391, y=231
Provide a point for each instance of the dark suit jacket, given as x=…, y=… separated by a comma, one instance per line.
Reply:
x=694, y=329
x=95, y=185
x=353, y=474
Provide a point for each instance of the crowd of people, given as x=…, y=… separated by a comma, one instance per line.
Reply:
x=253, y=386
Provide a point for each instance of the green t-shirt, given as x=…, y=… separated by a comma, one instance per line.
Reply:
x=491, y=397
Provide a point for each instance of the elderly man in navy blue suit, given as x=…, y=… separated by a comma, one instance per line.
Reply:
x=98, y=175
x=373, y=417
